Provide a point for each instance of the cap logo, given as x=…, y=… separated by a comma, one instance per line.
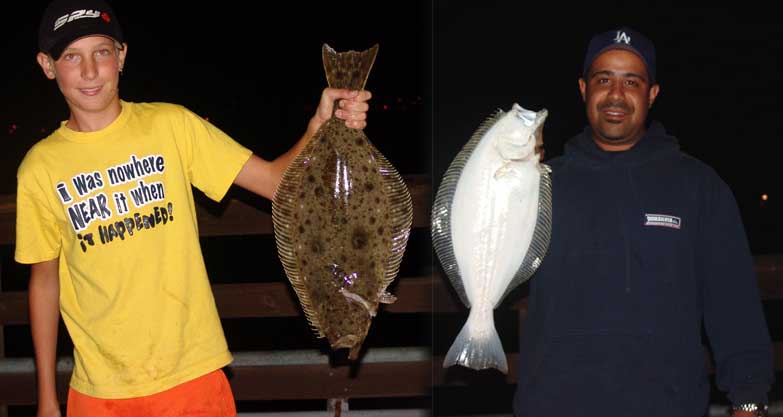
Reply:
x=78, y=14
x=622, y=37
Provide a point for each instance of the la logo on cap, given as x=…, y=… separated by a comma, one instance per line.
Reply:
x=622, y=37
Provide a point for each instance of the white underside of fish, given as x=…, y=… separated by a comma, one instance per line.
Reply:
x=491, y=227
x=493, y=218
x=492, y=224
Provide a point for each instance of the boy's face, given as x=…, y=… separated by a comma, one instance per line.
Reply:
x=87, y=72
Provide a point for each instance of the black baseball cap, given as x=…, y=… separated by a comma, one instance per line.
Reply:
x=622, y=38
x=65, y=21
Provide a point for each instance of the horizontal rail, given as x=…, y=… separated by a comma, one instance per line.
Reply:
x=284, y=375
x=299, y=375
x=237, y=217
x=277, y=299
x=421, y=294
x=261, y=358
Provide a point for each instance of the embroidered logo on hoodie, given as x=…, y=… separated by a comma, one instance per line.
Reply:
x=663, y=220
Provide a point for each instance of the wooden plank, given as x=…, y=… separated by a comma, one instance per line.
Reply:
x=299, y=382
x=237, y=217
x=243, y=218
x=20, y=388
x=13, y=308
x=461, y=376
x=7, y=218
x=278, y=382
x=3, y=408
x=770, y=273
x=414, y=295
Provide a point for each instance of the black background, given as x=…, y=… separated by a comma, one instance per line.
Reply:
x=720, y=70
x=254, y=70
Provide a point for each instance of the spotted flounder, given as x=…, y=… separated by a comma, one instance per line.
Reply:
x=491, y=223
x=342, y=215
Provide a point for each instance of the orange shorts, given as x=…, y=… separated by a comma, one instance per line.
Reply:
x=206, y=396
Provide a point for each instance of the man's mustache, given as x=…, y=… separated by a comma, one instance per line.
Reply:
x=616, y=104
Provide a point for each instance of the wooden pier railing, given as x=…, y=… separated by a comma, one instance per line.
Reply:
x=305, y=372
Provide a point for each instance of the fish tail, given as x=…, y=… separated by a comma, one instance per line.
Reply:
x=348, y=69
x=477, y=345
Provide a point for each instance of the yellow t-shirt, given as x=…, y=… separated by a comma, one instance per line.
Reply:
x=117, y=207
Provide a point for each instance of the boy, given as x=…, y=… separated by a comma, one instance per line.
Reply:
x=106, y=218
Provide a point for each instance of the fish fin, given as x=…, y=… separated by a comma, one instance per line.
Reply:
x=348, y=69
x=387, y=298
x=283, y=205
x=441, y=208
x=401, y=218
x=477, y=346
x=350, y=296
x=539, y=244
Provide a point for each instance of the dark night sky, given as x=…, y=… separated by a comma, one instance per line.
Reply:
x=256, y=74
x=720, y=71
x=441, y=69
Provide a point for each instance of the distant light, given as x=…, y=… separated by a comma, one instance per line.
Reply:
x=399, y=99
x=385, y=107
x=206, y=118
x=764, y=197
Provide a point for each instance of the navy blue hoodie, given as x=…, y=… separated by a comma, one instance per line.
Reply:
x=647, y=249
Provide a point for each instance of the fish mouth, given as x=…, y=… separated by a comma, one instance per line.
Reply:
x=528, y=117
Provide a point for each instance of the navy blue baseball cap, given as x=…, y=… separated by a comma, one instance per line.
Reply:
x=65, y=21
x=622, y=38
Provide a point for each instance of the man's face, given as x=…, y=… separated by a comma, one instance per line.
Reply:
x=617, y=97
x=87, y=72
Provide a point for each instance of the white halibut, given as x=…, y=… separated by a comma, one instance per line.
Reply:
x=491, y=223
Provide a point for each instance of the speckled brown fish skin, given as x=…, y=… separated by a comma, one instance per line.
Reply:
x=342, y=215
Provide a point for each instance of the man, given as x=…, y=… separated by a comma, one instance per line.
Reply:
x=647, y=247
x=106, y=217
